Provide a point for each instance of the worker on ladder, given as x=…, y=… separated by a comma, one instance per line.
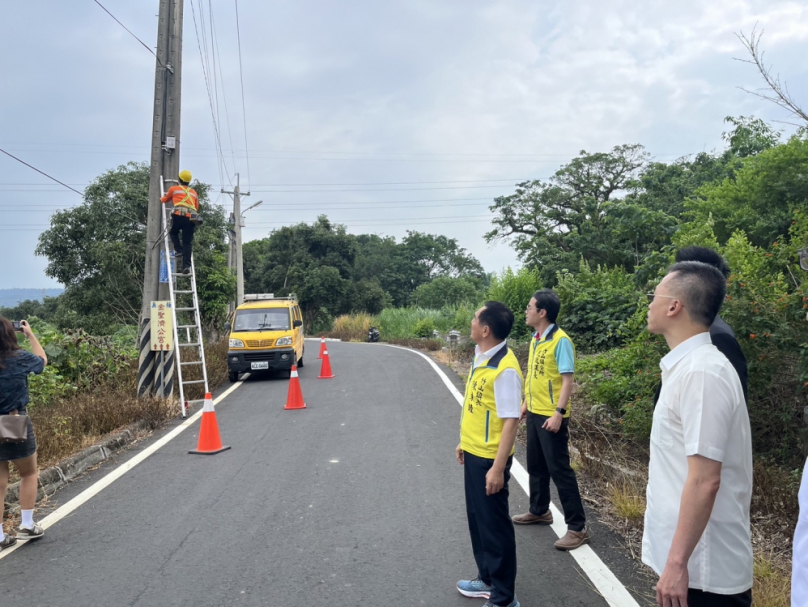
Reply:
x=184, y=218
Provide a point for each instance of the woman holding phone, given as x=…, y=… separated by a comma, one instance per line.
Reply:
x=16, y=364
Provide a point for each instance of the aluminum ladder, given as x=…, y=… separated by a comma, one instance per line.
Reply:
x=187, y=322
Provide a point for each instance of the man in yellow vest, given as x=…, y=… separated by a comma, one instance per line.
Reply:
x=548, y=385
x=186, y=207
x=490, y=417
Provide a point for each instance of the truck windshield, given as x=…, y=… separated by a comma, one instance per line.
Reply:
x=269, y=319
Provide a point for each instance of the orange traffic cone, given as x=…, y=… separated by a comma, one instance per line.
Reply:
x=322, y=349
x=325, y=370
x=210, y=441
x=295, y=398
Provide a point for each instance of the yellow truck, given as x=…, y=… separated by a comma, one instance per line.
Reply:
x=266, y=335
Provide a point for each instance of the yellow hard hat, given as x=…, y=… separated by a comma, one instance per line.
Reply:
x=186, y=176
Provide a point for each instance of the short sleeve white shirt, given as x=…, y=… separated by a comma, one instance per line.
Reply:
x=701, y=411
x=507, y=386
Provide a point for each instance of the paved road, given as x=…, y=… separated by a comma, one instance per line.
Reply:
x=356, y=500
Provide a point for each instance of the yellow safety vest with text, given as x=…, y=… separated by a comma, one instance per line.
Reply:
x=543, y=382
x=480, y=426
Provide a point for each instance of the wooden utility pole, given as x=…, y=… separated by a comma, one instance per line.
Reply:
x=165, y=152
x=236, y=193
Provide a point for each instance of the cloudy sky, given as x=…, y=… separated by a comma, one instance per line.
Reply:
x=387, y=116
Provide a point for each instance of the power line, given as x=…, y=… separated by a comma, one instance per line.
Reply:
x=268, y=185
x=217, y=138
x=362, y=223
x=243, y=104
x=146, y=46
x=40, y=172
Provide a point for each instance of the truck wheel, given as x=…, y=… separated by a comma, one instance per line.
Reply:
x=232, y=376
x=300, y=362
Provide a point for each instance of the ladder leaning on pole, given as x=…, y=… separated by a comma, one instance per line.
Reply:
x=187, y=322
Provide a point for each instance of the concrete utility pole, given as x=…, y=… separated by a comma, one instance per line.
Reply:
x=165, y=152
x=236, y=193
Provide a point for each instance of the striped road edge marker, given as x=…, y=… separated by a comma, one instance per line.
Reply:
x=606, y=582
x=96, y=488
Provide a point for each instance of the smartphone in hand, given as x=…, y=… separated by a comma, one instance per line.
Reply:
x=17, y=326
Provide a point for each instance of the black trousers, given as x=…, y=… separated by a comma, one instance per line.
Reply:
x=548, y=457
x=699, y=598
x=181, y=223
x=492, y=537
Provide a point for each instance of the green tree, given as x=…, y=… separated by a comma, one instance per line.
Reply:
x=315, y=262
x=750, y=137
x=446, y=291
x=96, y=250
x=760, y=199
x=552, y=225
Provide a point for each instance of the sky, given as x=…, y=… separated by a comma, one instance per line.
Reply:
x=385, y=116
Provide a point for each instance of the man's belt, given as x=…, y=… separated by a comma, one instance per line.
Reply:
x=195, y=218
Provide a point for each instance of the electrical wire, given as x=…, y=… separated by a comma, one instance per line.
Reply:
x=217, y=138
x=243, y=104
x=40, y=172
x=147, y=47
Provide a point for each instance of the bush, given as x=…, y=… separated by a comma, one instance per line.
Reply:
x=595, y=305
x=424, y=328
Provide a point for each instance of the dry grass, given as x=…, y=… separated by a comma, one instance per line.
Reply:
x=71, y=424
x=430, y=345
x=627, y=500
x=772, y=583
x=353, y=327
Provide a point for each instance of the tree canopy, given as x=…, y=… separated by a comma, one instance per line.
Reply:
x=97, y=250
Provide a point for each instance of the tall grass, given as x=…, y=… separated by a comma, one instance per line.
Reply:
x=399, y=323
x=353, y=326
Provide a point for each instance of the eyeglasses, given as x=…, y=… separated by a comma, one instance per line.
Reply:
x=651, y=296
x=529, y=308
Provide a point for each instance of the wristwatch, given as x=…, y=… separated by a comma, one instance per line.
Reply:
x=561, y=410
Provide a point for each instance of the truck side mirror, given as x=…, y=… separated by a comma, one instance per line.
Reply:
x=227, y=326
x=298, y=323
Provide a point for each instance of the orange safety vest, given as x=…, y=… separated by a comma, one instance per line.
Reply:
x=184, y=197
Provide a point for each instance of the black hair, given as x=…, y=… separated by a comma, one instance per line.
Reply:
x=497, y=317
x=704, y=255
x=549, y=301
x=702, y=287
x=184, y=182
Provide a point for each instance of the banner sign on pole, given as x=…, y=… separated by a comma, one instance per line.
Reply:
x=162, y=326
x=164, y=266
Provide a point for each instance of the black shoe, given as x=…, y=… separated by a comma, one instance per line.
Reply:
x=7, y=542
x=186, y=270
x=24, y=533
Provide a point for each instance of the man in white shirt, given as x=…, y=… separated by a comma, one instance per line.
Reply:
x=491, y=410
x=697, y=536
x=799, y=575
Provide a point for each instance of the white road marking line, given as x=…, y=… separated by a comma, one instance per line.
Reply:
x=93, y=490
x=610, y=588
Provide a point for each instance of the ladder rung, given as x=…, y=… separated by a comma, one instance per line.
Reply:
x=189, y=274
x=198, y=400
x=186, y=345
x=181, y=292
x=193, y=362
x=184, y=309
x=196, y=381
x=186, y=327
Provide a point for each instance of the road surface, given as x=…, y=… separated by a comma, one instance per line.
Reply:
x=356, y=500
